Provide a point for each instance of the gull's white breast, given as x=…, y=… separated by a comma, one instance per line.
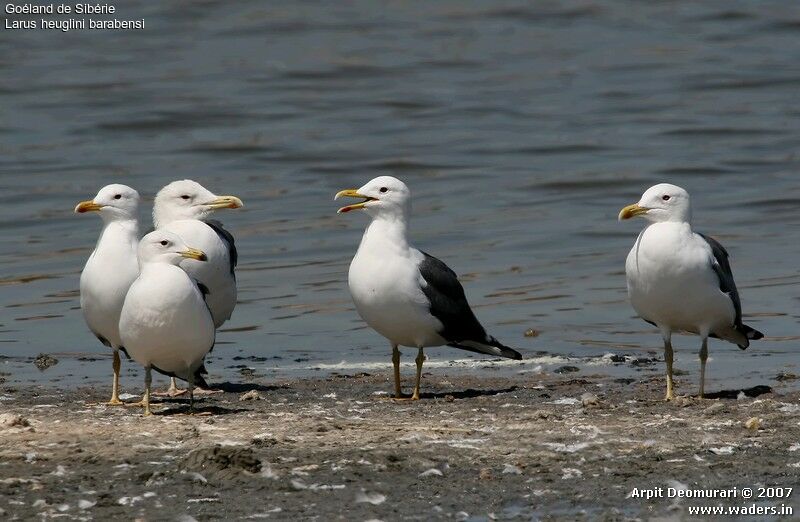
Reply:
x=385, y=285
x=165, y=322
x=671, y=281
x=105, y=280
x=215, y=273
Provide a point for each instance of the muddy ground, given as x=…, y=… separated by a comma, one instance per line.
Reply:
x=552, y=447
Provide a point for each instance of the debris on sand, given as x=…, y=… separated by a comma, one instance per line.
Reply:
x=12, y=420
x=753, y=423
x=44, y=361
x=589, y=400
x=222, y=462
x=375, y=499
x=252, y=395
x=567, y=369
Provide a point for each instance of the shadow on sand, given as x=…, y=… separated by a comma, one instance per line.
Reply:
x=755, y=391
x=467, y=394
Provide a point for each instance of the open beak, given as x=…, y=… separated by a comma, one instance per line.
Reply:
x=193, y=253
x=87, y=206
x=225, y=202
x=632, y=211
x=352, y=193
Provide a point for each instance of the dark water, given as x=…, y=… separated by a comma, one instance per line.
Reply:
x=521, y=129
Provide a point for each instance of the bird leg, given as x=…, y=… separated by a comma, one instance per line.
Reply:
x=191, y=392
x=115, y=401
x=703, y=358
x=148, y=380
x=172, y=391
x=398, y=394
x=419, y=360
x=668, y=358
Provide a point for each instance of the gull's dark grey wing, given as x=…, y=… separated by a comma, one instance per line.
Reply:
x=449, y=305
x=722, y=267
x=226, y=238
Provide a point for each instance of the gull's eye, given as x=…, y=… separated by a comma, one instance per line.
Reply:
x=384, y=189
x=185, y=197
x=164, y=242
x=118, y=196
x=665, y=197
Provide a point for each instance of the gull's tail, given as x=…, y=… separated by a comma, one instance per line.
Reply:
x=750, y=334
x=740, y=335
x=490, y=346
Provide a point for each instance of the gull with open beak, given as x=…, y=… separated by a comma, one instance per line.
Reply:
x=184, y=208
x=165, y=323
x=680, y=280
x=111, y=268
x=406, y=295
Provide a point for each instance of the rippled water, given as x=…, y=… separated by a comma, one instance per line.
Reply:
x=521, y=129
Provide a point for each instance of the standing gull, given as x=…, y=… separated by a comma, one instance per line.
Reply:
x=406, y=295
x=679, y=280
x=183, y=207
x=165, y=322
x=111, y=268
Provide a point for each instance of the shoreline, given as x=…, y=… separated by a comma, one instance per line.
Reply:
x=556, y=447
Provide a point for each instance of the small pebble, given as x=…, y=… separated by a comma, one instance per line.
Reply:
x=590, y=399
x=12, y=420
x=753, y=423
x=252, y=395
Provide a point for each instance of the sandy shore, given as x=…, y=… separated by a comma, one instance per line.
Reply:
x=550, y=447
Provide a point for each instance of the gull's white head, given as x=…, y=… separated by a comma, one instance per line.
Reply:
x=114, y=203
x=187, y=199
x=384, y=197
x=162, y=246
x=660, y=203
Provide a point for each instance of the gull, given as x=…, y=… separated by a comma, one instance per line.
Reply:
x=111, y=268
x=680, y=280
x=404, y=294
x=165, y=323
x=183, y=207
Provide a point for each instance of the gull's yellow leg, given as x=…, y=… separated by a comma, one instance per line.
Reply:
x=148, y=380
x=668, y=358
x=703, y=358
x=191, y=392
x=398, y=394
x=115, y=401
x=419, y=360
x=173, y=389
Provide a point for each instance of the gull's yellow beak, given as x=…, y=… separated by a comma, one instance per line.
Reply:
x=225, y=202
x=87, y=206
x=352, y=193
x=193, y=253
x=632, y=211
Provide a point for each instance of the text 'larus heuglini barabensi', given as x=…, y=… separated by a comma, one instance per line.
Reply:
x=406, y=295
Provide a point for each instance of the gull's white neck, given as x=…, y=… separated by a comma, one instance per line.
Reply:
x=386, y=235
x=116, y=232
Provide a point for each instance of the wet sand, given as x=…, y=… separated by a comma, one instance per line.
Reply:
x=545, y=446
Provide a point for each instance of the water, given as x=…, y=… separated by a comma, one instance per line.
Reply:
x=521, y=130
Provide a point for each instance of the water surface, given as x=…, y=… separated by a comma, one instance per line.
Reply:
x=521, y=130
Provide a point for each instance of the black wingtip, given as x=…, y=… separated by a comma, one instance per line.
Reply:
x=750, y=334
